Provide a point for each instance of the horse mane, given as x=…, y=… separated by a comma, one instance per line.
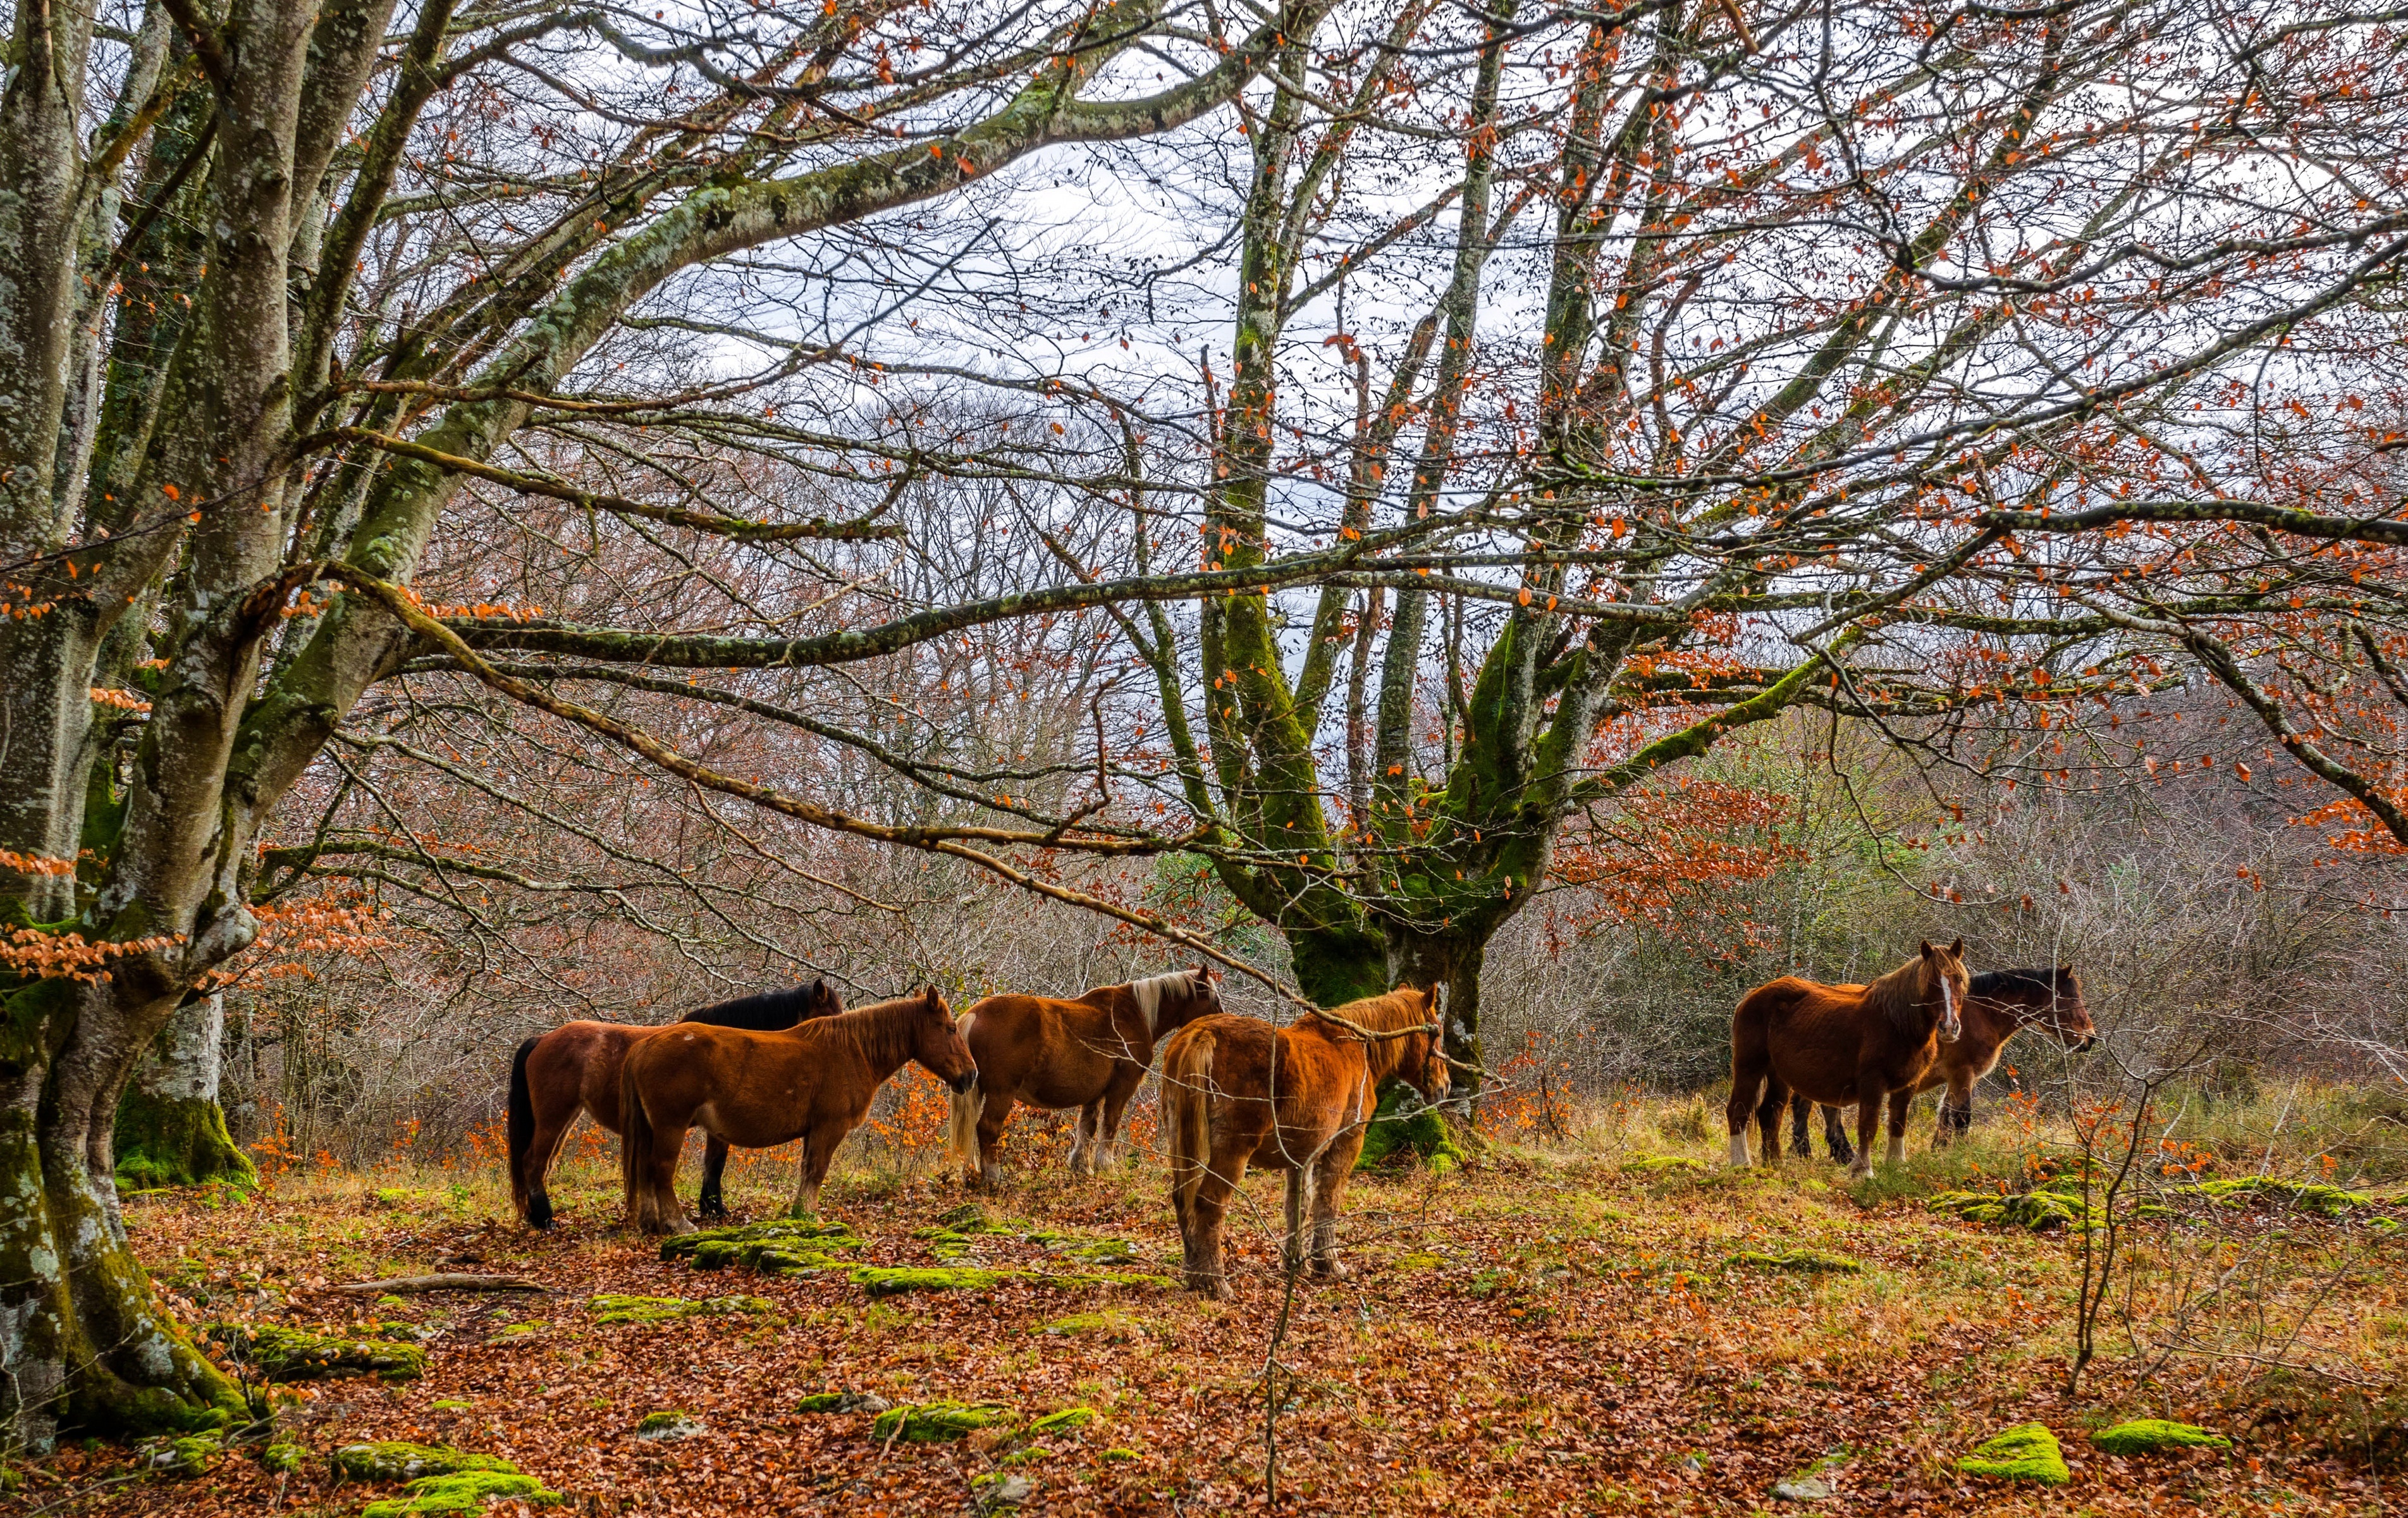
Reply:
x=765, y=1013
x=2002, y=983
x=1897, y=996
x=880, y=1030
x=1148, y=993
x=1402, y=1007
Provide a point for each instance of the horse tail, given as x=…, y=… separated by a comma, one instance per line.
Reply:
x=961, y=1139
x=635, y=1144
x=519, y=1125
x=1186, y=1069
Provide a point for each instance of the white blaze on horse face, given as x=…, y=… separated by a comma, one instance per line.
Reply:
x=1949, y=1025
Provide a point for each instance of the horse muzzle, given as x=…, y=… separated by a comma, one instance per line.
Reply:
x=2090, y=1041
x=963, y=1081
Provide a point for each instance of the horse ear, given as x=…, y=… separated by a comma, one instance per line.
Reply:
x=1926, y=948
x=1957, y=948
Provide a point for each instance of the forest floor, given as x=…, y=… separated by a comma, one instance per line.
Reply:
x=1558, y=1327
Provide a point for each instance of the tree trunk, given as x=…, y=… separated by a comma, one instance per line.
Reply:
x=83, y=1342
x=170, y=1129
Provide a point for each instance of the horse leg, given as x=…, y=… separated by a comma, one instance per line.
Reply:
x=1956, y=1114
x=1749, y=1070
x=1328, y=1189
x=992, y=1118
x=1800, y=1109
x=1116, y=1100
x=1767, y=1116
x=1869, y=1112
x=1899, y=1100
x=536, y=1163
x=1206, y=1270
x=711, y=1204
x=661, y=1183
x=1835, y=1135
x=819, y=1152
x=1089, y=1139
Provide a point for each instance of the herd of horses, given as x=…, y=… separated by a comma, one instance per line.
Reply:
x=1237, y=1091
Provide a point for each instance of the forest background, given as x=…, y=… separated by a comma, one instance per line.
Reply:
x=521, y=514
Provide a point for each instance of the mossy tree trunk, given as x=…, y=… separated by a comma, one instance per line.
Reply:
x=171, y=1130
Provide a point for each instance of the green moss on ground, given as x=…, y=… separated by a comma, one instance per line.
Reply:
x=612, y=1309
x=189, y=1456
x=933, y=1422
x=2045, y=1208
x=1808, y=1261
x=289, y=1355
x=2153, y=1436
x=1062, y=1422
x=2306, y=1196
x=283, y=1456
x=894, y=1281
x=2025, y=1453
x=396, y=1460
x=467, y=1492
x=672, y=1424
x=1662, y=1165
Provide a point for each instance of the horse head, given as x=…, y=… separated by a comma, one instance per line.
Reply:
x=820, y=999
x=1944, y=977
x=2069, y=1015
x=1424, y=1062
x=938, y=1044
x=1203, y=993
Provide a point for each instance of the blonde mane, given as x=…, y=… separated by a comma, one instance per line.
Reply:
x=1148, y=994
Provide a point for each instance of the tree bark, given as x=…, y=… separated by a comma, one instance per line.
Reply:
x=170, y=1129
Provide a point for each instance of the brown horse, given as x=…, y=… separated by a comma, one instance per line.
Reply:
x=1091, y=1054
x=1842, y=1047
x=1999, y=1004
x=1237, y=1090
x=575, y=1069
x=812, y=1081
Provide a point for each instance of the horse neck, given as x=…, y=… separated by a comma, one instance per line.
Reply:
x=1380, y=1015
x=1901, y=995
x=881, y=1034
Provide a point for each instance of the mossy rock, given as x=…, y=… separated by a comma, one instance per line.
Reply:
x=2042, y=1209
x=934, y=1423
x=395, y=1460
x=842, y=1402
x=2025, y=1453
x=515, y=1333
x=2305, y=1195
x=673, y=1424
x=1805, y=1261
x=450, y=1404
x=944, y=1243
x=1062, y=1422
x=610, y=1310
x=2156, y=1436
x=798, y=1242
x=1100, y=1251
x=1113, y=1327
x=283, y=1456
x=1426, y=1136
x=186, y=1457
x=468, y=1491
x=287, y=1354
x=1662, y=1165
x=895, y=1280
x=970, y=1217
x=997, y=1489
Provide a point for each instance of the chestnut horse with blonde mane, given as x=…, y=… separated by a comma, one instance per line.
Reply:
x=1091, y=1054
x=575, y=1069
x=812, y=1081
x=1237, y=1090
x=1843, y=1046
x=1999, y=1004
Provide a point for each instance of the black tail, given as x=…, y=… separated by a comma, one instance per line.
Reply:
x=521, y=1128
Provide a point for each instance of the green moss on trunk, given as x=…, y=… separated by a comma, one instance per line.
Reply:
x=175, y=1142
